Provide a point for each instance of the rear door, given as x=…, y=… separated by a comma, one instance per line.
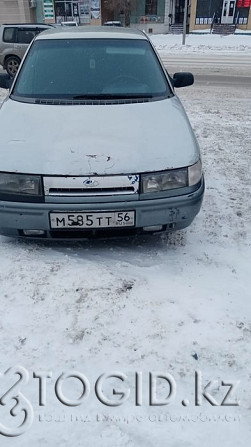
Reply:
x=24, y=37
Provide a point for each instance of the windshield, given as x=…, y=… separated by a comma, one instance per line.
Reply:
x=91, y=68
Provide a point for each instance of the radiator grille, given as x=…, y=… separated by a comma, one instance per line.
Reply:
x=91, y=186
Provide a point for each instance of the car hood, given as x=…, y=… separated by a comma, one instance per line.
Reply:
x=95, y=139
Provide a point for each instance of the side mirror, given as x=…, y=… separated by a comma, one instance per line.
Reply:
x=182, y=79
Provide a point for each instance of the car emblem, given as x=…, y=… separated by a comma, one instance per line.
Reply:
x=90, y=183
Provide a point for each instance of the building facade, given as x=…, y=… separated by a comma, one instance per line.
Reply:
x=84, y=12
x=12, y=11
x=149, y=15
x=152, y=16
x=203, y=13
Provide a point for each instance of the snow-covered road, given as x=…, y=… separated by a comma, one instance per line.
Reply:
x=175, y=304
x=206, y=54
x=237, y=65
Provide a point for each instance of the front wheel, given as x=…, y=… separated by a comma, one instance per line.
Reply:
x=11, y=65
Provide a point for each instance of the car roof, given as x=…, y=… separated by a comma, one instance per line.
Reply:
x=46, y=25
x=91, y=32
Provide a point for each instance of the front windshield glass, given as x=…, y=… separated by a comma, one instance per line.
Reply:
x=91, y=68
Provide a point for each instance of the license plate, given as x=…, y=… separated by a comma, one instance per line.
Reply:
x=93, y=220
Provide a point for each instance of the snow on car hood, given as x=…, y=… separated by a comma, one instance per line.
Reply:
x=95, y=139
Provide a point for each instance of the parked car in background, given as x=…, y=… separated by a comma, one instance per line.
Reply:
x=14, y=41
x=69, y=23
x=113, y=23
x=101, y=144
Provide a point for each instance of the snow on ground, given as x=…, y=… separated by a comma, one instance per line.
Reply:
x=175, y=303
x=206, y=43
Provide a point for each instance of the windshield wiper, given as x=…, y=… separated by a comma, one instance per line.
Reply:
x=109, y=96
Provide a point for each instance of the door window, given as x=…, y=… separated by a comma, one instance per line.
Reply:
x=25, y=35
x=231, y=9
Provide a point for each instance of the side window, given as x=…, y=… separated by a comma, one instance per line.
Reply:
x=39, y=30
x=9, y=35
x=25, y=35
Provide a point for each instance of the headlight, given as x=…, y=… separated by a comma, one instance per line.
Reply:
x=194, y=173
x=172, y=179
x=20, y=184
x=176, y=178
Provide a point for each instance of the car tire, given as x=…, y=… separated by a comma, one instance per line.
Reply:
x=11, y=64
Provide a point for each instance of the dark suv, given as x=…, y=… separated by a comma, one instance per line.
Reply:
x=14, y=41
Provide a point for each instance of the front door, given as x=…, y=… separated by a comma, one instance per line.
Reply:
x=228, y=10
x=179, y=11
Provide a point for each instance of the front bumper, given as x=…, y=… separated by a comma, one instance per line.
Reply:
x=172, y=213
